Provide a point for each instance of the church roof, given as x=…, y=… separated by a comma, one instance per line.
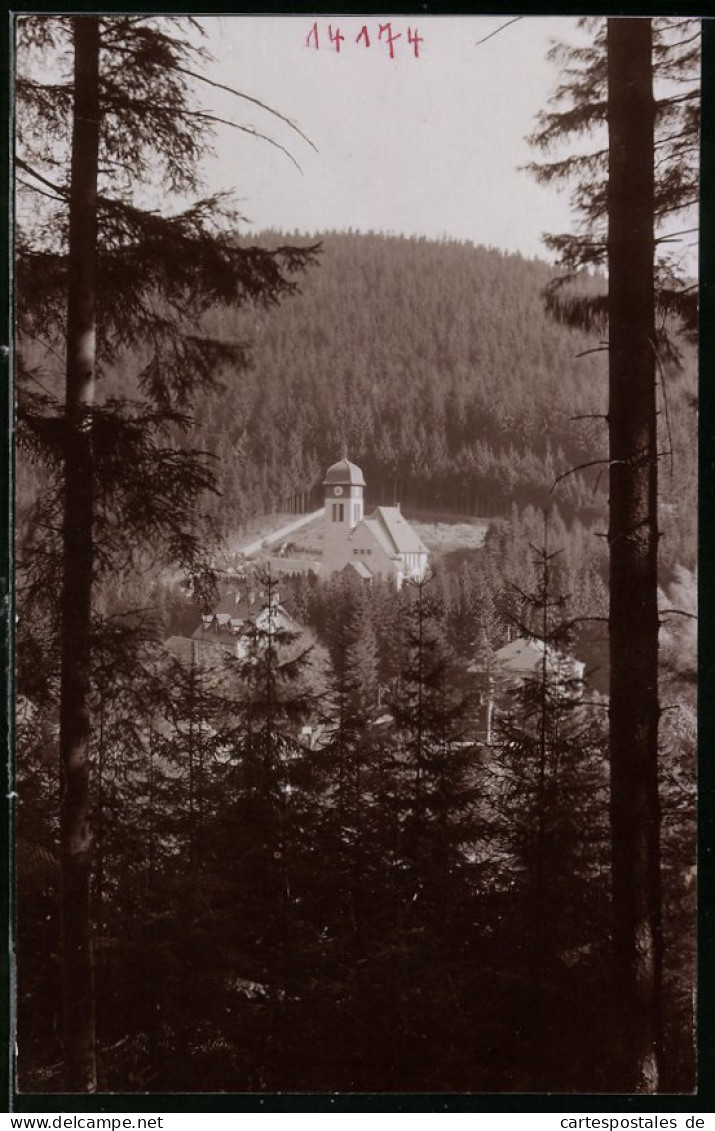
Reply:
x=403, y=538
x=381, y=535
x=345, y=473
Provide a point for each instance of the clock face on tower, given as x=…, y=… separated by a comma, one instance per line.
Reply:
x=337, y=491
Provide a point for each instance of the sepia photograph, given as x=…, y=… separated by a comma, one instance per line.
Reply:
x=355, y=382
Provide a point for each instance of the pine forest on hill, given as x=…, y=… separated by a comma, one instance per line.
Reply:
x=312, y=803
x=436, y=367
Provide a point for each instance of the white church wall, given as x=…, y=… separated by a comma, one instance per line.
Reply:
x=350, y=538
x=362, y=546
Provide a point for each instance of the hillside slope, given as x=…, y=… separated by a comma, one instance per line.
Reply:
x=435, y=366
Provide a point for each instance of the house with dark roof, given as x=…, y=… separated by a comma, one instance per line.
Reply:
x=517, y=664
x=380, y=545
x=525, y=659
x=237, y=616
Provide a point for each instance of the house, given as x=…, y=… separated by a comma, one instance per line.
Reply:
x=232, y=624
x=380, y=545
x=239, y=615
x=518, y=663
x=523, y=659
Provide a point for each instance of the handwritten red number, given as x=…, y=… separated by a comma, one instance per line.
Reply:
x=415, y=39
x=385, y=33
x=390, y=37
x=336, y=38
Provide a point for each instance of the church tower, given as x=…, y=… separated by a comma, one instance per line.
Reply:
x=344, y=485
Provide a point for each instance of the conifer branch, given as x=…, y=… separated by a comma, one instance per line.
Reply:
x=678, y=99
x=514, y=20
x=246, y=130
x=661, y=372
x=671, y=237
x=40, y=191
x=45, y=345
x=63, y=194
x=584, y=467
x=246, y=98
x=585, y=353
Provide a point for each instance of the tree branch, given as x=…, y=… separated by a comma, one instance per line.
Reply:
x=246, y=98
x=41, y=192
x=491, y=35
x=585, y=353
x=583, y=467
x=43, y=180
x=246, y=130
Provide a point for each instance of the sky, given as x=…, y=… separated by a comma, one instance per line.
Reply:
x=428, y=144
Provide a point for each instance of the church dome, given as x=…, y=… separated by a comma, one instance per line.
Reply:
x=345, y=473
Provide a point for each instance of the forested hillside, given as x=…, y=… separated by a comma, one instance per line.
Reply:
x=436, y=367
x=401, y=877
x=348, y=837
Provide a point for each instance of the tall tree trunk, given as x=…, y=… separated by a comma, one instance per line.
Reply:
x=75, y=832
x=633, y=541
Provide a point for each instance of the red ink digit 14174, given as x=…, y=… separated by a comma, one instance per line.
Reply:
x=333, y=38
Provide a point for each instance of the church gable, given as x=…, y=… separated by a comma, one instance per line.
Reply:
x=384, y=543
x=368, y=544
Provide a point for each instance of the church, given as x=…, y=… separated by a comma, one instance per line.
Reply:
x=381, y=545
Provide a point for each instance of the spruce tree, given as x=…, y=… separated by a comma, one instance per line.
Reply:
x=547, y=801
x=624, y=193
x=349, y=884
x=258, y=837
x=96, y=273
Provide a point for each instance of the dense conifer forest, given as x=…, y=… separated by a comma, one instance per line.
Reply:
x=437, y=900
x=397, y=905
x=438, y=369
x=436, y=366
x=287, y=828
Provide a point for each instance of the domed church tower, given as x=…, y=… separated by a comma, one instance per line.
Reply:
x=382, y=545
x=344, y=484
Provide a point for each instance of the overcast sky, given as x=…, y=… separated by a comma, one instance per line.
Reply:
x=429, y=144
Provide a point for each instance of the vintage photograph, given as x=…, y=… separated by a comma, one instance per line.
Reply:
x=356, y=378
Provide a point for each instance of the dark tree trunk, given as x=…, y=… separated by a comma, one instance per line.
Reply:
x=75, y=831
x=633, y=541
